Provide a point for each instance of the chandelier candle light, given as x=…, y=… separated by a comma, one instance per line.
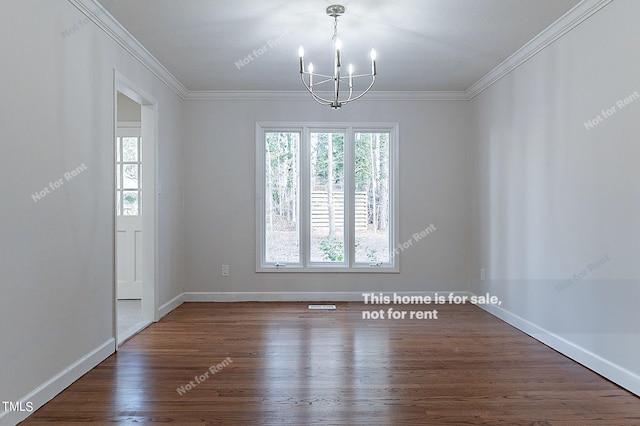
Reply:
x=334, y=11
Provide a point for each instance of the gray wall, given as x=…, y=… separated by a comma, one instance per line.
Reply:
x=220, y=195
x=556, y=205
x=56, y=255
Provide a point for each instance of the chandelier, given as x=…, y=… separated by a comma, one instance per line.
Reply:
x=334, y=11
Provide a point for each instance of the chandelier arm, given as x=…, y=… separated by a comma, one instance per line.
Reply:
x=316, y=98
x=359, y=75
x=306, y=86
x=320, y=100
x=344, y=80
x=319, y=75
x=323, y=81
x=373, y=80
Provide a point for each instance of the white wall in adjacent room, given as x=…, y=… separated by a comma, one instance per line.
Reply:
x=128, y=110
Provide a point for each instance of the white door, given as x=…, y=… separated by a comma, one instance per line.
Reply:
x=129, y=213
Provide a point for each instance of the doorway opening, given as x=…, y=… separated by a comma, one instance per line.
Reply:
x=135, y=303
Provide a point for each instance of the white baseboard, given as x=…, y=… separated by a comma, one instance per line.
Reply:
x=170, y=305
x=276, y=296
x=297, y=296
x=602, y=366
x=56, y=384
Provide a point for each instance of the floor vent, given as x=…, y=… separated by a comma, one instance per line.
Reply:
x=322, y=307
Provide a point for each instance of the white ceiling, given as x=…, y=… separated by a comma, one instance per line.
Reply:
x=422, y=45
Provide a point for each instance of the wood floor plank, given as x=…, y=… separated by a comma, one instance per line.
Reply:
x=288, y=365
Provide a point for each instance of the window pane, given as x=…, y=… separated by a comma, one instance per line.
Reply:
x=282, y=203
x=118, y=205
x=372, y=197
x=327, y=197
x=130, y=149
x=118, y=149
x=118, y=174
x=131, y=202
x=130, y=176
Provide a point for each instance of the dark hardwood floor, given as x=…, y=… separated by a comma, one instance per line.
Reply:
x=279, y=363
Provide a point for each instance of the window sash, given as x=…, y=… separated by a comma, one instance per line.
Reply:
x=308, y=232
x=295, y=184
x=123, y=190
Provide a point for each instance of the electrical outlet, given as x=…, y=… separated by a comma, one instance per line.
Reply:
x=225, y=270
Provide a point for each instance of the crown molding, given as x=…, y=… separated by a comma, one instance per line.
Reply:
x=553, y=32
x=107, y=23
x=301, y=95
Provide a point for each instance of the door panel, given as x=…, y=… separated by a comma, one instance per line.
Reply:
x=129, y=257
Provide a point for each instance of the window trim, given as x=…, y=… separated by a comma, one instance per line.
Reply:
x=350, y=129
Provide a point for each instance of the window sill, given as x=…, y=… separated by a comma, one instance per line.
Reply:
x=330, y=269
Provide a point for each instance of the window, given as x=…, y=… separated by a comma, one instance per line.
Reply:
x=282, y=216
x=128, y=174
x=327, y=197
